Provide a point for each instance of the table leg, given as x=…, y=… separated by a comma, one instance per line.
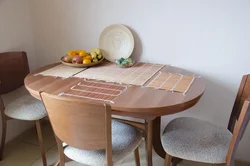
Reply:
x=157, y=137
x=149, y=139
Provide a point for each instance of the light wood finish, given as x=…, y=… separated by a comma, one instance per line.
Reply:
x=149, y=141
x=238, y=120
x=137, y=157
x=40, y=140
x=239, y=117
x=80, y=124
x=168, y=160
x=4, y=128
x=145, y=103
x=243, y=93
x=175, y=161
x=238, y=132
x=13, y=69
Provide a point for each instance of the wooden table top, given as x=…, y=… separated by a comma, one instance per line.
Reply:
x=141, y=102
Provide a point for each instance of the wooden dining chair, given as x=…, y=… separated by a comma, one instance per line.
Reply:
x=201, y=141
x=89, y=135
x=15, y=101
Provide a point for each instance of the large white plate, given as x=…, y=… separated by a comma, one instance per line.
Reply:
x=116, y=41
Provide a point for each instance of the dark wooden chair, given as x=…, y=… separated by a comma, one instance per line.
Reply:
x=89, y=135
x=15, y=101
x=201, y=141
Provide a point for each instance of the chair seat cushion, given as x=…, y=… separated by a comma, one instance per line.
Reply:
x=129, y=118
x=21, y=105
x=125, y=139
x=196, y=140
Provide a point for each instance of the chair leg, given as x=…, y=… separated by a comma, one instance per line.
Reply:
x=149, y=141
x=4, y=130
x=168, y=160
x=57, y=163
x=137, y=157
x=40, y=139
x=175, y=161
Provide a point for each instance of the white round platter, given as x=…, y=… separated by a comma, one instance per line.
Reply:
x=116, y=41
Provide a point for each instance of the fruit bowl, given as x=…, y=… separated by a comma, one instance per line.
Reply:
x=81, y=65
x=81, y=58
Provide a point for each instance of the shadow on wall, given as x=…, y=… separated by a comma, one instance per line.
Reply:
x=213, y=105
x=137, y=53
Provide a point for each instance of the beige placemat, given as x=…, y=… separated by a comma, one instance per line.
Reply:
x=172, y=82
x=95, y=90
x=61, y=71
x=139, y=74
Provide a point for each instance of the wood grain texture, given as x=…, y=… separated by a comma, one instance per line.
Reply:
x=243, y=93
x=238, y=121
x=238, y=132
x=139, y=102
x=40, y=139
x=83, y=129
x=168, y=160
x=13, y=69
x=149, y=145
x=4, y=128
x=88, y=128
x=137, y=157
x=135, y=102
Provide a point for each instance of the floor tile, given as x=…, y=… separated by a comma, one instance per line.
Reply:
x=129, y=161
x=51, y=156
x=19, y=153
x=24, y=151
x=48, y=136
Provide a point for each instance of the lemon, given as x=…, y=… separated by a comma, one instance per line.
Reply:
x=86, y=61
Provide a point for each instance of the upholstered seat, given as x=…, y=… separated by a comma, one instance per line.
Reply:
x=125, y=139
x=19, y=104
x=129, y=118
x=196, y=140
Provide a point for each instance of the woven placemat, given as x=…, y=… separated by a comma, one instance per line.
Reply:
x=138, y=74
x=95, y=90
x=61, y=71
x=172, y=82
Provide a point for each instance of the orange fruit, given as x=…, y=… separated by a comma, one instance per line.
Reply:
x=88, y=57
x=82, y=53
x=71, y=53
x=86, y=61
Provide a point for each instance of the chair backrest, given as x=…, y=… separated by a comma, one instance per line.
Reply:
x=13, y=69
x=242, y=95
x=239, y=118
x=80, y=124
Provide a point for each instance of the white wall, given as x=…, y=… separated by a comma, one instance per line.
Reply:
x=209, y=37
x=16, y=35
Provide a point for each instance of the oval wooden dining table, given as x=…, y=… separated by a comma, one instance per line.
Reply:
x=139, y=102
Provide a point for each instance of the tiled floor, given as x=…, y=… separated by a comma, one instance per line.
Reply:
x=24, y=151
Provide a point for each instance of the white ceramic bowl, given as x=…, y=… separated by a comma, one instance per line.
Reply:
x=116, y=41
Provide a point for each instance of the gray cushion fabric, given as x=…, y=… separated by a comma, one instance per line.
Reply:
x=196, y=140
x=21, y=105
x=125, y=139
x=129, y=118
